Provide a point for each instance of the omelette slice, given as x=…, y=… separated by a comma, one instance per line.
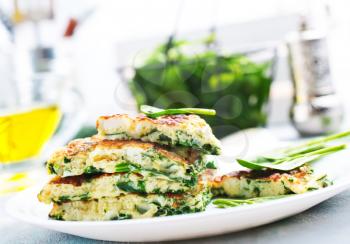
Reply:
x=171, y=130
x=131, y=206
x=250, y=184
x=95, y=155
x=86, y=187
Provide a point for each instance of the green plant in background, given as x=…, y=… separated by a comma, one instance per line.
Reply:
x=235, y=86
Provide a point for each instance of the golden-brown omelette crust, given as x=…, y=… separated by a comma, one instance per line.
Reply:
x=77, y=180
x=85, y=145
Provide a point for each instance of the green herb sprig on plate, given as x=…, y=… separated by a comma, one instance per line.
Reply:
x=153, y=112
x=294, y=157
x=230, y=202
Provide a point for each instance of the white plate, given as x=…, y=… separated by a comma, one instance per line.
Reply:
x=213, y=221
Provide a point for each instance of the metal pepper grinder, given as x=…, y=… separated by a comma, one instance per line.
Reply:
x=316, y=107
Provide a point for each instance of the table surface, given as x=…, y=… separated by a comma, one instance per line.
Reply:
x=328, y=222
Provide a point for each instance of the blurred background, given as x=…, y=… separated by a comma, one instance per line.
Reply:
x=277, y=65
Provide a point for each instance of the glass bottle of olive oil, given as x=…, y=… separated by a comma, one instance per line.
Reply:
x=24, y=133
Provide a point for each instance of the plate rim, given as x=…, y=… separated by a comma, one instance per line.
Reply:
x=11, y=210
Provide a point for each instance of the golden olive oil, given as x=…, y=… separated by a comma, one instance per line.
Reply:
x=16, y=182
x=24, y=133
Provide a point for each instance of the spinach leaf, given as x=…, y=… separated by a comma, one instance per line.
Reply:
x=126, y=168
x=92, y=170
x=129, y=186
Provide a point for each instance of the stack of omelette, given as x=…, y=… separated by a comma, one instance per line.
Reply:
x=135, y=167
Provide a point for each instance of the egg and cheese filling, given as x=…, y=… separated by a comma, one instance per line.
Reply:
x=84, y=187
x=250, y=184
x=95, y=155
x=172, y=130
x=131, y=206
